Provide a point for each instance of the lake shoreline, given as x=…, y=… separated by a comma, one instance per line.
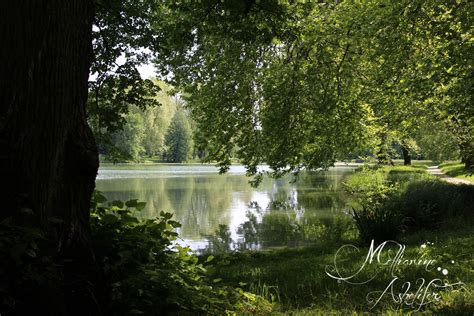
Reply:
x=207, y=203
x=337, y=164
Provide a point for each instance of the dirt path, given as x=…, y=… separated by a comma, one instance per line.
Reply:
x=434, y=170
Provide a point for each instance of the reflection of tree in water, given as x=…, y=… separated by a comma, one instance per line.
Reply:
x=150, y=191
x=312, y=190
x=319, y=181
x=333, y=202
x=201, y=204
x=221, y=241
x=282, y=224
x=298, y=213
x=277, y=228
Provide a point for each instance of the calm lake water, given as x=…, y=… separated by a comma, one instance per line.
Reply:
x=223, y=212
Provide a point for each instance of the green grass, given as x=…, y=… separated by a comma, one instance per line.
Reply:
x=295, y=279
x=416, y=163
x=457, y=170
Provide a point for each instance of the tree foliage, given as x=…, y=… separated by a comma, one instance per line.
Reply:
x=263, y=79
x=417, y=66
x=291, y=84
x=129, y=139
x=122, y=41
x=299, y=85
x=178, y=138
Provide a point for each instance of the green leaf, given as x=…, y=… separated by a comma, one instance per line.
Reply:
x=174, y=224
x=166, y=215
x=132, y=203
x=140, y=206
x=99, y=197
x=118, y=204
x=110, y=218
x=31, y=253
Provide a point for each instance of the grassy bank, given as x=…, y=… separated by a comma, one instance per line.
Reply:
x=296, y=280
x=416, y=163
x=457, y=170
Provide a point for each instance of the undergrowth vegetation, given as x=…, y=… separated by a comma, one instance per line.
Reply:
x=146, y=271
x=150, y=274
x=29, y=271
x=296, y=279
x=388, y=201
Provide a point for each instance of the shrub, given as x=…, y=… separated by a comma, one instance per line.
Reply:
x=145, y=270
x=428, y=203
x=29, y=271
x=369, y=187
x=375, y=219
x=379, y=224
x=388, y=200
x=149, y=273
x=221, y=242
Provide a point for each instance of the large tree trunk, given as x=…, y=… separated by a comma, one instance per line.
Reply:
x=48, y=155
x=406, y=155
x=468, y=161
x=466, y=148
x=464, y=134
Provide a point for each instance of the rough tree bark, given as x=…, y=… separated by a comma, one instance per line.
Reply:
x=466, y=148
x=406, y=155
x=464, y=134
x=48, y=154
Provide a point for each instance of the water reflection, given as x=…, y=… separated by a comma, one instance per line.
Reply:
x=223, y=212
x=280, y=225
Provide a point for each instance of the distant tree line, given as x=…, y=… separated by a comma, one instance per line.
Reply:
x=161, y=132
